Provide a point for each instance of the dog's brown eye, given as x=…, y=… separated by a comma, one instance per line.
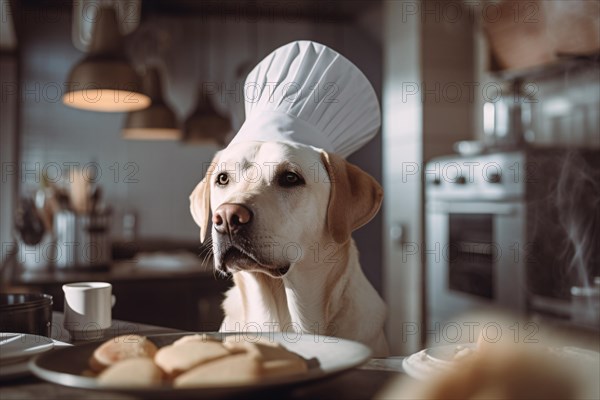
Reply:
x=288, y=179
x=222, y=179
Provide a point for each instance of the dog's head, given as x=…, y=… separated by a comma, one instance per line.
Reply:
x=272, y=203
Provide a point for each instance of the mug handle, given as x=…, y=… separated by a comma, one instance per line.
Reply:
x=113, y=300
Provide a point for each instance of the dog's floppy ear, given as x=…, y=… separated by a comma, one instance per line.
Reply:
x=355, y=197
x=200, y=201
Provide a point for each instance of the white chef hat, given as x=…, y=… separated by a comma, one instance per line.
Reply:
x=307, y=93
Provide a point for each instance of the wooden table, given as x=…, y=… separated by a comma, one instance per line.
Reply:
x=361, y=383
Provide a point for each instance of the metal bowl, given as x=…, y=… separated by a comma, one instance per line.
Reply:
x=26, y=313
x=469, y=147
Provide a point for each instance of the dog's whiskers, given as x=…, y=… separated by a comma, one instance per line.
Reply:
x=205, y=254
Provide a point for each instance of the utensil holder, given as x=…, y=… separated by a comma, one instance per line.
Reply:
x=82, y=240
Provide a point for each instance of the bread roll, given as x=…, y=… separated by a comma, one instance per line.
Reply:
x=237, y=369
x=192, y=361
x=132, y=372
x=263, y=349
x=502, y=372
x=175, y=359
x=276, y=360
x=196, y=338
x=121, y=348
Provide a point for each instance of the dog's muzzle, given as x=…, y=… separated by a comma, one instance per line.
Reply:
x=232, y=247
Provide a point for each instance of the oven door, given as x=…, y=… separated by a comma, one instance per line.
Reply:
x=474, y=258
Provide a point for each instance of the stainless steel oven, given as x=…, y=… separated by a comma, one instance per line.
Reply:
x=516, y=231
x=474, y=236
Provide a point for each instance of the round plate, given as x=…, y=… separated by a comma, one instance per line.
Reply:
x=14, y=346
x=15, y=351
x=433, y=360
x=326, y=356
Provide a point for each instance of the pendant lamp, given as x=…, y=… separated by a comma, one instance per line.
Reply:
x=206, y=126
x=105, y=80
x=157, y=122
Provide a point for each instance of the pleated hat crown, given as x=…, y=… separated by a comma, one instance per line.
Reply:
x=305, y=92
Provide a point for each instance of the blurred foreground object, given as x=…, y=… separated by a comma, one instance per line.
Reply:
x=504, y=365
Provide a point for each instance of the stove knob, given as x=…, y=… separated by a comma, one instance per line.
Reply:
x=461, y=180
x=495, y=178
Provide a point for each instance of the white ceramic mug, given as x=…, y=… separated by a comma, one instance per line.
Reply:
x=88, y=309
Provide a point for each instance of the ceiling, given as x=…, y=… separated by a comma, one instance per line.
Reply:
x=319, y=10
x=365, y=13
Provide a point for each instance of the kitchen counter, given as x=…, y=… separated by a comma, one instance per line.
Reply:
x=145, y=266
x=162, y=290
x=359, y=383
x=120, y=271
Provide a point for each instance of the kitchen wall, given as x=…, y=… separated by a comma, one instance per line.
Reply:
x=154, y=179
x=151, y=178
x=449, y=88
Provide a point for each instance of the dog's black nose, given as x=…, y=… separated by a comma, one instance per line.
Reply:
x=230, y=218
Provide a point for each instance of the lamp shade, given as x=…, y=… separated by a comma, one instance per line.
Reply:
x=157, y=122
x=206, y=125
x=105, y=80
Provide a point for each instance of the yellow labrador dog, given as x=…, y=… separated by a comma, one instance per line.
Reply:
x=282, y=215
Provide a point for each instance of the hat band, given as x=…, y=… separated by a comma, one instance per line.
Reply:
x=274, y=126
